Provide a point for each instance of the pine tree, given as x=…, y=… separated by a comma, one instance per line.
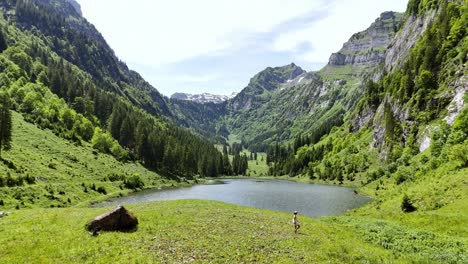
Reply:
x=5, y=122
x=3, y=43
x=227, y=169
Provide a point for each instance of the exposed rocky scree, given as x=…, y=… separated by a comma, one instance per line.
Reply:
x=368, y=47
x=460, y=88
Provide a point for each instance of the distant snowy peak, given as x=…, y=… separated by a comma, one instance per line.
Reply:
x=202, y=98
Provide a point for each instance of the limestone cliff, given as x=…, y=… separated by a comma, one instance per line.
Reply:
x=368, y=47
x=406, y=38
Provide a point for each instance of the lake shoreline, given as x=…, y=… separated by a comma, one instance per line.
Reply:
x=214, y=181
x=314, y=200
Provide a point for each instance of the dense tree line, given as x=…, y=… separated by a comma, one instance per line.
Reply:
x=236, y=148
x=240, y=164
x=283, y=159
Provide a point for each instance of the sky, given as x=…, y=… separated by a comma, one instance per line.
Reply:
x=216, y=46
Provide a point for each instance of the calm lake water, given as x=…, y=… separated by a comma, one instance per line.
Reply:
x=281, y=195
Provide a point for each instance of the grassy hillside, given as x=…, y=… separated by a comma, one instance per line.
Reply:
x=62, y=173
x=61, y=75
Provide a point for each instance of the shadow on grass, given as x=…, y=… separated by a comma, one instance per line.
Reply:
x=128, y=230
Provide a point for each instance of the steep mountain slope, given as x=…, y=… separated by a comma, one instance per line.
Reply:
x=262, y=85
x=221, y=120
x=44, y=170
x=202, y=118
x=408, y=132
x=59, y=74
x=72, y=37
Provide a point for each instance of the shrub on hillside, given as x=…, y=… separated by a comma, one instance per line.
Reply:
x=102, y=190
x=407, y=205
x=115, y=177
x=134, y=182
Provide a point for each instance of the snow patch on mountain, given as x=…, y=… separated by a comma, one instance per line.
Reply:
x=203, y=98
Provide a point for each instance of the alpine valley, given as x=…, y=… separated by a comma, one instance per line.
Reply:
x=387, y=115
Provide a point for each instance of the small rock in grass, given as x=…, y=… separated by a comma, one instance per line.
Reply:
x=3, y=214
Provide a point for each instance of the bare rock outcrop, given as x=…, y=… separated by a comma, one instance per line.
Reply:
x=411, y=31
x=459, y=90
x=119, y=219
x=368, y=47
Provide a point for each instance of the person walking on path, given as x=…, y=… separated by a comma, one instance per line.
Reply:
x=296, y=222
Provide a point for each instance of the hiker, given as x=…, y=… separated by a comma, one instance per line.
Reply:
x=296, y=222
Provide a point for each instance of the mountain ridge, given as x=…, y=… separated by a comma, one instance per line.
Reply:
x=202, y=98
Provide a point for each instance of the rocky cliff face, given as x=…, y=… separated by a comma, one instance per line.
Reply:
x=406, y=38
x=368, y=47
x=395, y=54
x=392, y=108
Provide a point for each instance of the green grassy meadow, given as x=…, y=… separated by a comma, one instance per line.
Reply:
x=258, y=167
x=198, y=231
x=180, y=232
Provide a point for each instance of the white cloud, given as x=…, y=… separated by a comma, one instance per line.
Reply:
x=158, y=32
x=328, y=35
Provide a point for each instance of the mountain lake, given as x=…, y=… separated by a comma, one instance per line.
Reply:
x=281, y=195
